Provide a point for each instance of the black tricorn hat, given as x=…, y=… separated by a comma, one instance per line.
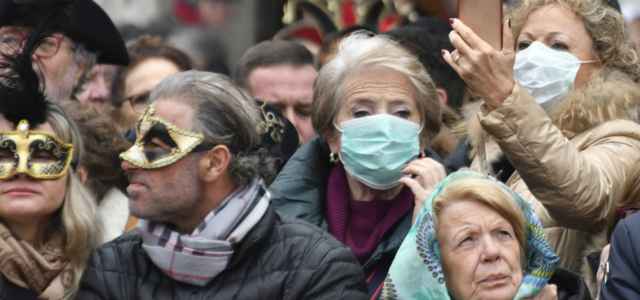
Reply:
x=615, y=4
x=81, y=20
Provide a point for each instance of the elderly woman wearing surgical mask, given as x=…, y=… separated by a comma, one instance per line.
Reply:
x=560, y=104
x=47, y=218
x=474, y=238
x=375, y=108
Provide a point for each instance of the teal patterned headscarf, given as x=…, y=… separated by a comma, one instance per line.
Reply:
x=416, y=271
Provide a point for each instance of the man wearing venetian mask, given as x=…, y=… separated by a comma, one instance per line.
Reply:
x=207, y=228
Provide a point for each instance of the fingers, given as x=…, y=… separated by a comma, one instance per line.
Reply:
x=554, y=290
x=413, y=185
x=550, y=292
x=428, y=172
x=448, y=57
x=460, y=44
x=469, y=37
x=420, y=194
x=508, y=43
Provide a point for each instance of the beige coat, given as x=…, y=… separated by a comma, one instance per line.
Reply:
x=575, y=184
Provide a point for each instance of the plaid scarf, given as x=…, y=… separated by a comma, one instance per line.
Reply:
x=199, y=257
x=416, y=272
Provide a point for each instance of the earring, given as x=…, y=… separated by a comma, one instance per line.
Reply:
x=333, y=158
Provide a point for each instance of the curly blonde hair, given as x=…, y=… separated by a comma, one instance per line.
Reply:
x=604, y=24
x=602, y=100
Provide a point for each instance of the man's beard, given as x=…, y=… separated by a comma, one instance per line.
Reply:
x=60, y=89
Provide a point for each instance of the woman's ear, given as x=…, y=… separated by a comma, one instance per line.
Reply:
x=82, y=174
x=214, y=163
x=333, y=140
x=443, y=97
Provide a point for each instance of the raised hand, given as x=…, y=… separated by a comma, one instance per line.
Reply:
x=487, y=72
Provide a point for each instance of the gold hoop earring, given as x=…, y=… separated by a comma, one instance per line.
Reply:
x=333, y=158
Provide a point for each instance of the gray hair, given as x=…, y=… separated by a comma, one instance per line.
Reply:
x=361, y=51
x=83, y=57
x=84, y=61
x=224, y=114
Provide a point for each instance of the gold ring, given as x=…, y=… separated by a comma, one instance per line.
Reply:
x=456, y=57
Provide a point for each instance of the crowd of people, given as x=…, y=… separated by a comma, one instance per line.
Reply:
x=416, y=163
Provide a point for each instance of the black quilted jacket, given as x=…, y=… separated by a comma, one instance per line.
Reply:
x=279, y=259
x=10, y=291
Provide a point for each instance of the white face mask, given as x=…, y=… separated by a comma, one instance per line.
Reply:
x=545, y=73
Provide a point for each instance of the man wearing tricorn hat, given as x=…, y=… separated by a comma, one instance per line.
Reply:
x=78, y=34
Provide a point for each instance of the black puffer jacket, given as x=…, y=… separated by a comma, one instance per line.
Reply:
x=10, y=291
x=279, y=259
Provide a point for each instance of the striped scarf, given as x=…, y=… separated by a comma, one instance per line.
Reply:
x=199, y=257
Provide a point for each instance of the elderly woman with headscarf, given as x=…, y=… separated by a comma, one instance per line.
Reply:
x=560, y=103
x=375, y=109
x=474, y=238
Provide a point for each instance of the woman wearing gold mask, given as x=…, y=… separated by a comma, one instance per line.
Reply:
x=47, y=218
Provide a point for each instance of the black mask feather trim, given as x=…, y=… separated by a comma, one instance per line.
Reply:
x=22, y=95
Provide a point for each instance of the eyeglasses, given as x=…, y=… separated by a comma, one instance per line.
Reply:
x=15, y=40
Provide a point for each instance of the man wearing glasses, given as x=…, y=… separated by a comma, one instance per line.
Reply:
x=73, y=36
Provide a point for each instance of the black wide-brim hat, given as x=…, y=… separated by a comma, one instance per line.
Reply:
x=82, y=20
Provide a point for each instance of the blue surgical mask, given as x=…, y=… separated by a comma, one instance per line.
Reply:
x=547, y=74
x=375, y=149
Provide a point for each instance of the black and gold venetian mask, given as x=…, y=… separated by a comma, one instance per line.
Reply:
x=160, y=143
x=37, y=154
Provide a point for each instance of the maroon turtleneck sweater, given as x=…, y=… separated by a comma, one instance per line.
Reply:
x=358, y=224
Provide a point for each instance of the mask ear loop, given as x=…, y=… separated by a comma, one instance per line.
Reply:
x=423, y=153
x=338, y=128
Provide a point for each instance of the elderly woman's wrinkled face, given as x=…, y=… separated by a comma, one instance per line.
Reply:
x=377, y=91
x=24, y=199
x=559, y=28
x=481, y=256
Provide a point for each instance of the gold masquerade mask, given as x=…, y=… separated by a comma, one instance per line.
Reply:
x=160, y=143
x=37, y=154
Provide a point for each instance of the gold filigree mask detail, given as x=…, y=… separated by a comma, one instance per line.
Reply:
x=160, y=143
x=271, y=124
x=40, y=155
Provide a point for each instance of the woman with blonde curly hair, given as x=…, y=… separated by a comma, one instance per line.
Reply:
x=47, y=218
x=561, y=104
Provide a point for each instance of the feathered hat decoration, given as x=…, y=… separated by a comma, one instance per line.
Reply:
x=22, y=95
